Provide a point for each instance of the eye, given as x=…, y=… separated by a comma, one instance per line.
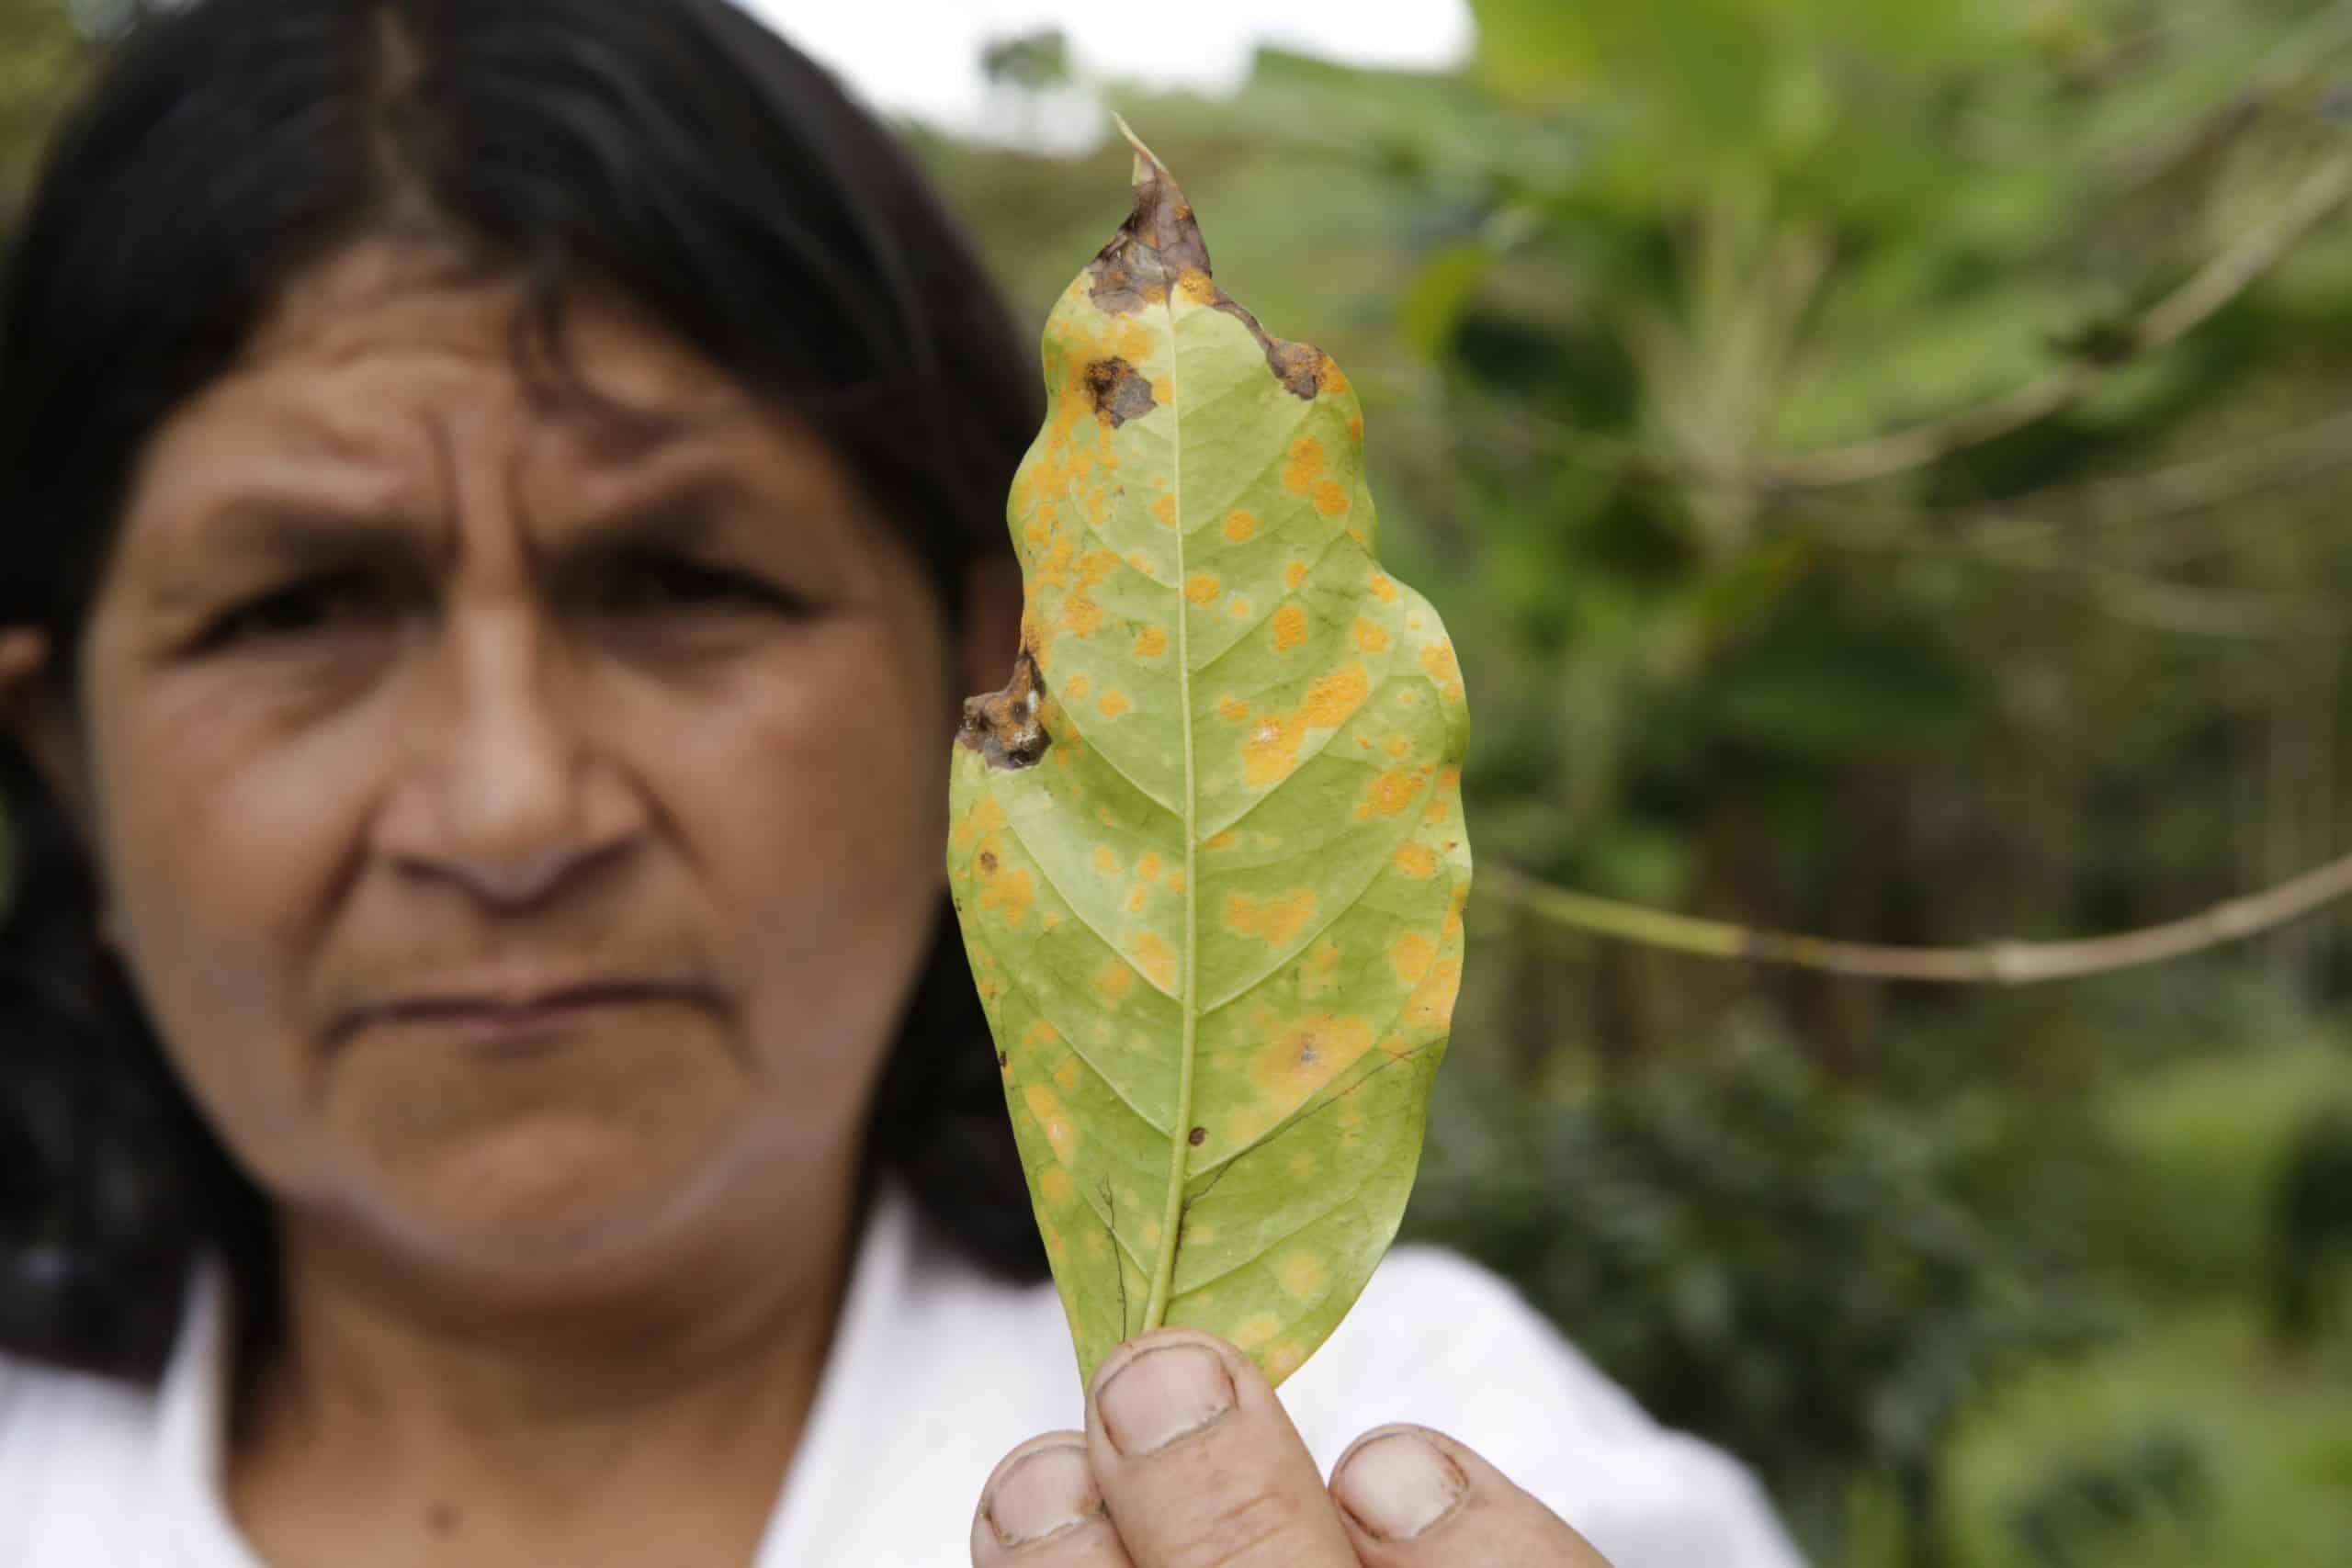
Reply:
x=656, y=582
x=298, y=610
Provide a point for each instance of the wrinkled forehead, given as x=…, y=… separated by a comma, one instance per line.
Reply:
x=406, y=302
x=394, y=374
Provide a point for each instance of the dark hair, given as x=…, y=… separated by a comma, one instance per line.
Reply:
x=675, y=149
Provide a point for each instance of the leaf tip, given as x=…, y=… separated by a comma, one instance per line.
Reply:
x=1146, y=159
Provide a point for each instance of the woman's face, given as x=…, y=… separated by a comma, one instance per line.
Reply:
x=523, y=834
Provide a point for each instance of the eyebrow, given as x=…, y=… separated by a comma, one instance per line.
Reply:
x=290, y=531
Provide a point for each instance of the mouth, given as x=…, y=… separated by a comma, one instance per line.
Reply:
x=522, y=1021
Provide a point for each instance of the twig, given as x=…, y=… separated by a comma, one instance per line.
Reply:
x=2138, y=597
x=2220, y=281
x=1997, y=963
x=2257, y=467
x=2289, y=63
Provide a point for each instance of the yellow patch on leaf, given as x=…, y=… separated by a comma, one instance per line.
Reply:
x=1278, y=921
x=1159, y=959
x=1309, y=1054
x=1416, y=860
x=1305, y=464
x=1413, y=954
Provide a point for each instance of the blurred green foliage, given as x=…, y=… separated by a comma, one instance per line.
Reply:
x=1971, y=1277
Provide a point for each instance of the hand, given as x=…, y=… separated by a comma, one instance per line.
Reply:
x=1189, y=1461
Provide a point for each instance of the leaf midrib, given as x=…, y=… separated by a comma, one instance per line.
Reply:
x=1163, y=1273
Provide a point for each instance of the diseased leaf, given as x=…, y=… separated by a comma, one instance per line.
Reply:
x=1206, y=846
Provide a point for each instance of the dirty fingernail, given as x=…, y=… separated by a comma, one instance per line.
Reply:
x=1398, y=1485
x=1048, y=1492
x=1161, y=1395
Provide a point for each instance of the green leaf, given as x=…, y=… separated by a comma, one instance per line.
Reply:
x=1206, y=846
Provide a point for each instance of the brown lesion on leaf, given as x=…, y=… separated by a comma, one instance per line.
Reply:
x=1007, y=727
x=1159, y=251
x=1117, y=391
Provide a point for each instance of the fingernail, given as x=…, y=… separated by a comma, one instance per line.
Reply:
x=1162, y=1395
x=1048, y=1492
x=1398, y=1485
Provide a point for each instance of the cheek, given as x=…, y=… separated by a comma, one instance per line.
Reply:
x=814, y=808
x=225, y=840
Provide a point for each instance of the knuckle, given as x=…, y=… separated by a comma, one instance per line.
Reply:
x=1248, y=1526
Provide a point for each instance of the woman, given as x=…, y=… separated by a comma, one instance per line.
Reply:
x=502, y=503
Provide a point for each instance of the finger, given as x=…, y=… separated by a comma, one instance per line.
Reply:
x=1414, y=1498
x=1198, y=1463
x=1040, y=1510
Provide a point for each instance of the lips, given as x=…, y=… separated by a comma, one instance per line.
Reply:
x=496, y=1011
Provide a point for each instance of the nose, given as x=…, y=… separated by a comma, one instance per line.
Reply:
x=507, y=796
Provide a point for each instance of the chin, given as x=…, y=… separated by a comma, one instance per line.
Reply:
x=547, y=1201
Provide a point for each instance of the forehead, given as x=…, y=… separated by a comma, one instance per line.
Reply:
x=380, y=374
x=386, y=337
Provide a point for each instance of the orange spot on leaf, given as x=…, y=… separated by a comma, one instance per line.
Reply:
x=1411, y=954
x=1159, y=959
x=1331, y=699
x=1270, y=751
x=1431, y=1004
x=1309, y=1054
x=1290, y=628
x=1201, y=587
x=1278, y=921
x=1390, y=794
x=1239, y=525
x=1305, y=464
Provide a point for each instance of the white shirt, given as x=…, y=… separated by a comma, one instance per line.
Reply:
x=935, y=1372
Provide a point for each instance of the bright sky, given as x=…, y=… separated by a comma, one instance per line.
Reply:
x=922, y=57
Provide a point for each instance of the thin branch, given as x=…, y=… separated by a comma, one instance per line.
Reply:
x=2220, y=281
x=2288, y=64
x=2138, y=597
x=1996, y=963
x=2257, y=467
